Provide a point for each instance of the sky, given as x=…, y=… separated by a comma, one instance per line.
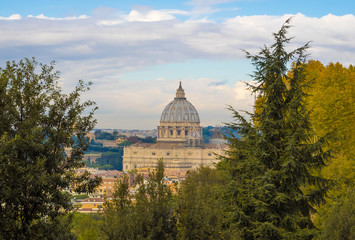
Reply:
x=136, y=52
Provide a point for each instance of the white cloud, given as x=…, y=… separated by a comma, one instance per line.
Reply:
x=42, y=16
x=12, y=17
x=102, y=47
x=153, y=15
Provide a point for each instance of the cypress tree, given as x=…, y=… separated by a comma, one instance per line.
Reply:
x=276, y=155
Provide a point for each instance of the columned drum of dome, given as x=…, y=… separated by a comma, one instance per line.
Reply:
x=179, y=121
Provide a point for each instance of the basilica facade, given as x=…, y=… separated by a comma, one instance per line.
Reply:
x=179, y=142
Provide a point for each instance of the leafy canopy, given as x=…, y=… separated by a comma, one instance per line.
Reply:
x=38, y=153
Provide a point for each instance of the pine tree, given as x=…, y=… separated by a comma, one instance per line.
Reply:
x=274, y=159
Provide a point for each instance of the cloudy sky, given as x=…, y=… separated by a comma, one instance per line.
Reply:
x=136, y=52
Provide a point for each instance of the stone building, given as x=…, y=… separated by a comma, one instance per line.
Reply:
x=179, y=142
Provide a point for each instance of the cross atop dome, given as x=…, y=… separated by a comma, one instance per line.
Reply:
x=180, y=93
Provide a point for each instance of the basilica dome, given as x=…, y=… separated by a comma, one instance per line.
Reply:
x=179, y=110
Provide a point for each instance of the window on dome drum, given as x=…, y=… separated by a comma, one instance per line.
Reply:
x=179, y=132
x=186, y=132
x=171, y=132
x=167, y=154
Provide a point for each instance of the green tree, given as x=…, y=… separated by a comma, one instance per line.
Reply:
x=154, y=207
x=115, y=134
x=150, y=217
x=200, y=206
x=118, y=221
x=37, y=124
x=270, y=164
x=86, y=226
x=111, y=158
x=103, y=135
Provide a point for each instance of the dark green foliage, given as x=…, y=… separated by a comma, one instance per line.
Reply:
x=148, y=140
x=272, y=162
x=150, y=217
x=97, y=147
x=154, y=204
x=119, y=218
x=103, y=135
x=111, y=158
x=200, y=206
x=37, y=121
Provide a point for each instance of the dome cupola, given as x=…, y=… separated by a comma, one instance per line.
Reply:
x=179, y=121
x=180, y=110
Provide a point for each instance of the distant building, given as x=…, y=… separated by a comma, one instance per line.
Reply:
x=90, y=205
x=91, y=157
x=179, y=142
x=218, y=137
x=109, y=143
x=120, y=140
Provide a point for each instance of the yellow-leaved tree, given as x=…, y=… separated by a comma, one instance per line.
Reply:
x=331, y=98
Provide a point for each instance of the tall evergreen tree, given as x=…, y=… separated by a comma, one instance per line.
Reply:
x=274, y=158
x=37, y=123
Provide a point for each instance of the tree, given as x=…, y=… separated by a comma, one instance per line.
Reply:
x=37, y=125
x=103, y=135
x=273, y=161
x=118, y=221
x=200, y=206
x=338, y=218
x=115, y=134
x=86, y=226
x=150, y=217
x=155, y=215
x=331, y=99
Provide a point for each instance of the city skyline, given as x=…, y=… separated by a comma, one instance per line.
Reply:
x=136, y=53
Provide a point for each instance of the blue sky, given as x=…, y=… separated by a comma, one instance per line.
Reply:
x=136, y=52
x=63, y=8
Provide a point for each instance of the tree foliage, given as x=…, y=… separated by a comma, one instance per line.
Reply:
x=272, y=162
x=150, y=217
x=200, y=206
x=37, y=124
x=118, y=220
x=331, y=98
